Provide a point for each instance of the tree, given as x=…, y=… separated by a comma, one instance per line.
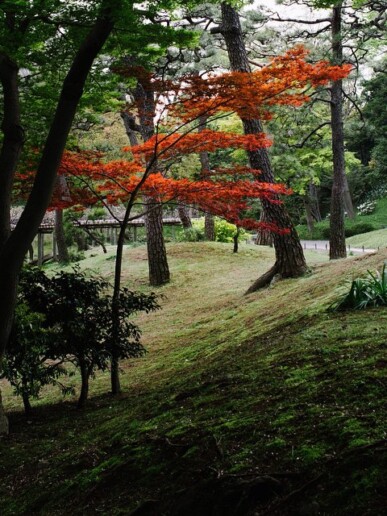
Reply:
x=337, y=248
x=226, y=191
x=290, y=261
x=351, y=25
x=13, y=247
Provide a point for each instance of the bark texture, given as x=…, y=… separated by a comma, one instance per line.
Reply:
x=290, y=260
x=13, y=139
x=184, y=216
x=63, y=253
x=209, y=220
x=157, y=254
x=337, y=247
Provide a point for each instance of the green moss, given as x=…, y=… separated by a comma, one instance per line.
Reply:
x=231, y=384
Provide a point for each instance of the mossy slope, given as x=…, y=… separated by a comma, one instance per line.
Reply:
x=233, y=387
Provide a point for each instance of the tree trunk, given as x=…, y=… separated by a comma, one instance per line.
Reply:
x=236, y=240
x=27, y=404
x=157, y=254
x=13, y=139
x=85, y=375
x=15, y=247
x=209, y=220
x=63, y=253
x=209, y=227
x=314, y=202
x=115, y=375
x=4, y=425
x=264, y=237
x=130, y=125
x=337, y=238
x=184, y=216
x=290, y=260
x=348, y=204
x=309, y=215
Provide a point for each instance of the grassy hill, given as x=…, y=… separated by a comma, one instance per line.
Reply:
x=371, y=240
x=376, y=220
x=260, y=404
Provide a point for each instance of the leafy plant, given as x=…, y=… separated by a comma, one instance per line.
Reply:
x=365, y=292
x=26, y=364
x=80, y=310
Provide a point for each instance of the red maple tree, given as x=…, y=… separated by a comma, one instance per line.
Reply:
x=226, y=192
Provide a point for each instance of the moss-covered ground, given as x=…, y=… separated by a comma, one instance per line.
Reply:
x=233, y=388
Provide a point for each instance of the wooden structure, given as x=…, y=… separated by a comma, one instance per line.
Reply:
x=109, y=228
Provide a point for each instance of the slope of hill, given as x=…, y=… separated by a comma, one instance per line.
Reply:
x=260, y=404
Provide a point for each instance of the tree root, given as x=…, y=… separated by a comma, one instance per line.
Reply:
x=264, y=280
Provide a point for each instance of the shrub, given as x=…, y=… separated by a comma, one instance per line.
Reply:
x=355, y=229
x=27, y=365
x=82, y=313
x=359, y=228
x=365, y=292
x=366, y=208
x=224, y=231
x=194, y=234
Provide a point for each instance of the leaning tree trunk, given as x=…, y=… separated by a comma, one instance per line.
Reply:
x=290, y=260
x=14, y=248
x=209, y=220
x=337, y=247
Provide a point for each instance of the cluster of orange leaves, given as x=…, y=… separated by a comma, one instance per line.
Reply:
x=284, y=81
x=225, y=192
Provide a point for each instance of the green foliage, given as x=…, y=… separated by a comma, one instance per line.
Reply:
x=194, y=234
x=80, y=311
x=26, y=364
x=352, y=230
x=224, y=231
x=365, y=293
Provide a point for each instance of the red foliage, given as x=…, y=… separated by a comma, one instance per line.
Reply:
x=284, y=81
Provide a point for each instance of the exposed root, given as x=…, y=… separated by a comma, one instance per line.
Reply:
x=264, y=280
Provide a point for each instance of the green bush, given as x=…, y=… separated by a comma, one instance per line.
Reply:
x=29, y=364
x=194, y=234
x=355, y=229
x=69, y=317
x=224, y=231
x=359, y=228
x=365, y=292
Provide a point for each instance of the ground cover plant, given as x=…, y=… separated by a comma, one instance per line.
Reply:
x=235, y=392
x=367, y=292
